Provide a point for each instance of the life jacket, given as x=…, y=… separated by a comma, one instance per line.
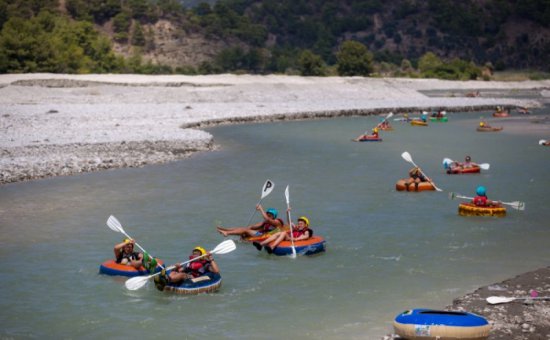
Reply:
x=297, y=233
x=197, y=268
x=267, y=227
x=480, y=201
x=130, y=257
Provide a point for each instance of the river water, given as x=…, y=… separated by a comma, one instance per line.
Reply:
x=387, y=251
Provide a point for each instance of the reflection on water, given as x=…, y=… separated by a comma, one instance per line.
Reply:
x=386, y=251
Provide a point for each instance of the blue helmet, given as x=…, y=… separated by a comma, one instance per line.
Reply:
x=481, y=191
x=272, y=211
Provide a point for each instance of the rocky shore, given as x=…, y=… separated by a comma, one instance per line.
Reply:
x=54, y=125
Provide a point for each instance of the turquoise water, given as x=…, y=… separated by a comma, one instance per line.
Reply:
x=387, y=251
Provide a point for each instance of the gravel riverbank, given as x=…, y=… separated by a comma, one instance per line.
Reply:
x=54, y=125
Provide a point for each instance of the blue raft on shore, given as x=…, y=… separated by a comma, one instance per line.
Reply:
x=440, y=324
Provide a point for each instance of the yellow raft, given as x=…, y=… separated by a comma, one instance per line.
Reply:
x=470, y=209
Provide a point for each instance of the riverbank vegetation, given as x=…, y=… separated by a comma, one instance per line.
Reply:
x=312, y=38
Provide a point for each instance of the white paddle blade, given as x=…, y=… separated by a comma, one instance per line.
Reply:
x=516, y=205
x=485, y=166
x=542, y=142
x=136, y=283
x=499, y=299
x=293, y=255
x=267, y=188
x=225, y=247
x=407, y=156
x=114, y=224
x=447, y=162
x=287, y=196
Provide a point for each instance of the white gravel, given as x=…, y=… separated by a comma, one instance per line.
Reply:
x=52, y=124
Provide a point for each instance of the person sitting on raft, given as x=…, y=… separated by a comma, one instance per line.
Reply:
x=483, y=124
x=468, y=163
x=481, y=199
x=203, y=264
x=299, y=232
x=416, y=176
x=375, y=132
x=269, y=224
x=125, y=254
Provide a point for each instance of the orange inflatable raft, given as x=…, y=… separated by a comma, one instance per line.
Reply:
x=470, y=209
x=312, y=245
x=423, y=186
x=110, y=267
x=419, y=123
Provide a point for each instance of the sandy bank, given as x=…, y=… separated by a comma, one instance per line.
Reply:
x=55, y=124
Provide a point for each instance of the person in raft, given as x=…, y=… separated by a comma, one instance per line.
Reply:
x=416, y=176
x=481, y=198
x=483, y=124
x=205, y=264
x=269, y=224
x=299, y=232
x=468, y=163
x=125, y=254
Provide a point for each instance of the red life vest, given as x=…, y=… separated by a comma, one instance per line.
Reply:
x=196, y=268
x=480, y=201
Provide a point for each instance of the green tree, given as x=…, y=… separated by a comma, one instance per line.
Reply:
x=354, y=59
x=311, y=64
x=429, y=62
x=138, y=37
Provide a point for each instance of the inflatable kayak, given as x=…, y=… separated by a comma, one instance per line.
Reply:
x=312, y=245
x=460, y=170
x=423, y=186
x=419, y=123
x=369, y=138
x=470, y=209
x=263, y=236
x=489, y=129
x=208, y=283
x=110, y=267
x=439, y=119
x=439, y=324
x=501, y=114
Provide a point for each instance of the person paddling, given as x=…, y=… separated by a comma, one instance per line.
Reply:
x=299, y=232
x=416, y=176
x=125, y=254
x=269, y=224
x=481, y=200
x=199, y=267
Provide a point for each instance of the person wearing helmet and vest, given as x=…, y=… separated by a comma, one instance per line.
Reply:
x=481, y=200
x=270, y=224
x=203, y=264
x=301, y=231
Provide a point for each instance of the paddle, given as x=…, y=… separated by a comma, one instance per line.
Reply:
x=447, y=161
x=542, y=142
x=137, y=282
x=407, y=156
x=266, y=190
x=290, y=222
x=385, y=119
x=516, y=204
x=502, y=299
x=115, y=225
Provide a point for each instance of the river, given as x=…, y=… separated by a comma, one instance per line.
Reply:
x=387, y=251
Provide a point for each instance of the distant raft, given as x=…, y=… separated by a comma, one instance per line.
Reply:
x=501, y=114
x=110, y=267
x=419, y=123
x=312, y=245
x=207, y=283
x=422, y=186
x=489, y=129
x=474, y=169
x=470, y=209
x=443, y=119
x=369, y=138
x=438, y=324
